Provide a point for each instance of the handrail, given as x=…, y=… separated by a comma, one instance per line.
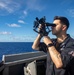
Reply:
x=20, y=58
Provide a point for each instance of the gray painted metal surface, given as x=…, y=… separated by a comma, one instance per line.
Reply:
x=17, y=64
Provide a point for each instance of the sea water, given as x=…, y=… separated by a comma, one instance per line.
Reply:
x=14, y=48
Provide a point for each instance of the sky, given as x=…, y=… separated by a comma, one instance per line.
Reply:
x=17, y=17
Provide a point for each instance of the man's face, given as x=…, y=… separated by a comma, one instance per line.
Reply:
x=58, y=28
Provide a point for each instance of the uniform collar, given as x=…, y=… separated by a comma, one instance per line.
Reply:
x=64, y=42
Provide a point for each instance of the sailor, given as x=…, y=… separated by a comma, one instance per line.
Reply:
x=60, y=51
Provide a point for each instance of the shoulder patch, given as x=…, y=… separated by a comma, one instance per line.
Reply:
x=71, y=53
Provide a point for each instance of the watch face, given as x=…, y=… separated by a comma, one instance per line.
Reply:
x=49, y=45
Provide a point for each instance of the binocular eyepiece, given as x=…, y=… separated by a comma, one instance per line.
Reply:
x=50, y=24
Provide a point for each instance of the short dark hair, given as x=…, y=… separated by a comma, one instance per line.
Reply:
x=63, y=20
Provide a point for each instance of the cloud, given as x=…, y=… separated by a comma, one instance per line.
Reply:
x=34, y=5
x=24, y=6
x=8, y=6
x=14, y=25
x=70, y=12
x=25, y=12
x=25, y=38
x=21, y=21
x=5, y=33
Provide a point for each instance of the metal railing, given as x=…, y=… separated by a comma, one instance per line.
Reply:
x=17, y=62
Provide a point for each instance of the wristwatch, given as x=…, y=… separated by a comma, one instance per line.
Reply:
x=50, y=44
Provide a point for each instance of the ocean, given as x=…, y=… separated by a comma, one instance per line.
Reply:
x=14, y=48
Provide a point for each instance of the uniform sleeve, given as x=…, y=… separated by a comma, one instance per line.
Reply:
x=43, y=47
x=67, y=55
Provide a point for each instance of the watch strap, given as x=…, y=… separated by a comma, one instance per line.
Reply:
x=50, y=44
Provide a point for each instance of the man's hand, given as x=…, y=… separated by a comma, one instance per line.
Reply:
x=42, y=30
